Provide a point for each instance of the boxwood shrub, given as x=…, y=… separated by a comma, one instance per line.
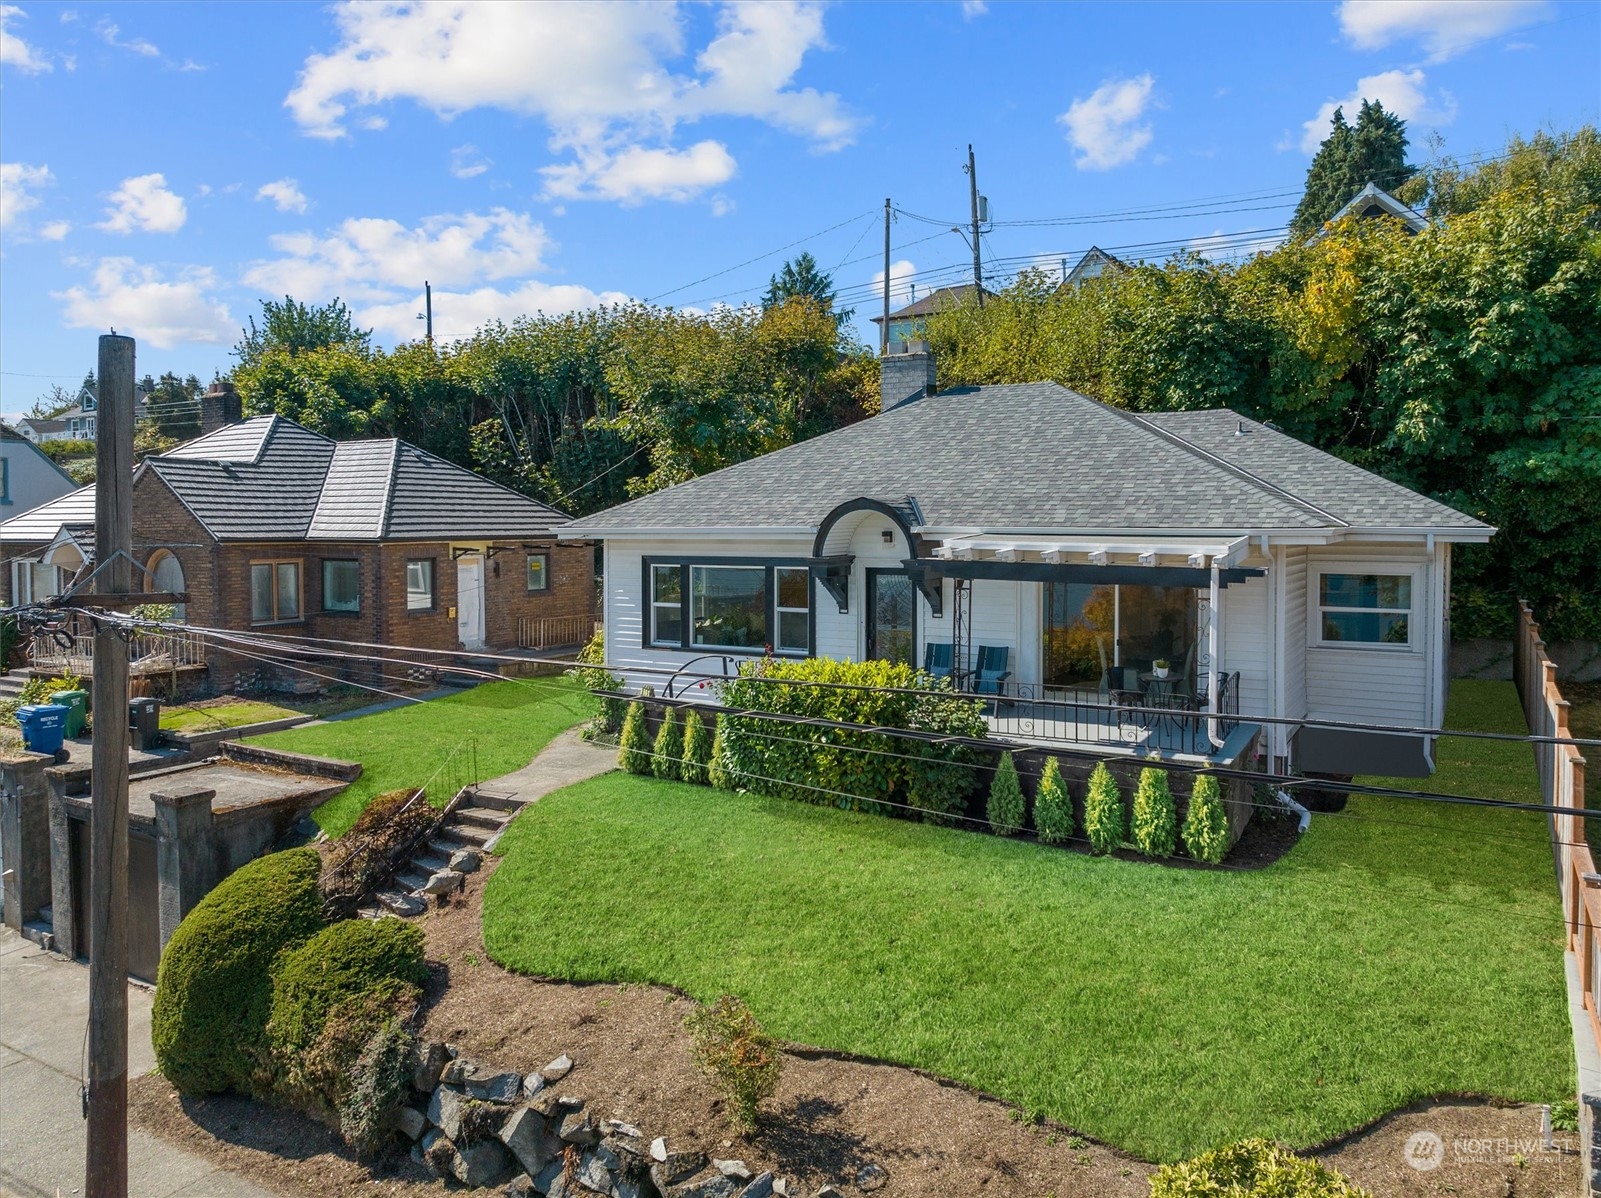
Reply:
x=213, y=986
x=829, y=766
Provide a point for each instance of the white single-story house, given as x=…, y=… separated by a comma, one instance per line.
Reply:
x=1062, y=556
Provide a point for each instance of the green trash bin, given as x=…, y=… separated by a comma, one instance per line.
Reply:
x=77, y=705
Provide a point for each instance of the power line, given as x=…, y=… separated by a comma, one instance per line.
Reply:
x=759, y=257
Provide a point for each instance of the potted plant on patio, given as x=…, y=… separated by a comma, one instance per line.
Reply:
x=1160, y=667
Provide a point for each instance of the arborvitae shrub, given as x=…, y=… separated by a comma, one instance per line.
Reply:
x=1206, y=824
x=719, y=772
x=1103, y=811
x=1053, y=806
x=1155, y=821
x=213, y=989
x=697, y=749
x=634, y=752
x=668, y=761
x=1006, y=809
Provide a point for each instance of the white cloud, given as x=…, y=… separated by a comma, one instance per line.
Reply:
x=18, y=180
x=902, y=277
x=467, y=163
x=367, y=258
x=598, y=75
x=138, y=301
x=55, y=230
x=1105, y=127
x=144, y=203
x=285, y=195
x=14, y=52
x=1445, y=28
x=636, y=174
x=109, y=34
x=973, y=8
x=461, y=313
x=1403, y=93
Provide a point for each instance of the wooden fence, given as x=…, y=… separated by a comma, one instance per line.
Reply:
x=554, y=632
x=1561, y=770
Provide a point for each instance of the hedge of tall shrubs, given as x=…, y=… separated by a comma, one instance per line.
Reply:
x=861, y=770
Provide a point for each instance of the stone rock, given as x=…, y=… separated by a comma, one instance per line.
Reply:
x=871, y=1177
x=712, y=1187
x=430, y=1063
x=398, y=902
x=627, y=1146
x=676, y=1167
x=558, y=1069
x=570, y=1102
x=438, y=1153
x=658, y=1149
x=521, y=1186
x=533, y=1084
x=409, y=1121
x=607, y=1157
x=829, y=1192
x=617, y=1127
x=781, y=1187
x=762, y=1187
x=594, y=1174
x=481, y=1163
x=548, y=1177
x=734, y=1169
x=627, y=1187
x=547, y=1102
x=576, y=1128
x=484, y=1083
x=455, y=1071
x=445, y=1110
x=466, y=861
x=445, y=881
x=524, y=1134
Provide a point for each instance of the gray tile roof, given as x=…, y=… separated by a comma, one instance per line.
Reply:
x=355, y=493
x=239, y=495
x=1027, y=456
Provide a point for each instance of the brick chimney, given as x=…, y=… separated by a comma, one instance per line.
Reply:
x=219, y=406
x=905, y=374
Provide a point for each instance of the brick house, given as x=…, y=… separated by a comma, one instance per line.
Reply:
x=270, y=527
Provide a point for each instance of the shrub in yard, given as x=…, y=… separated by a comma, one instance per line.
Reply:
x=1155, y=823
x=1251, y=1169
x=697, y=749
x=1206, y=824
x=718, y=771
x=868, y=771
x=668, y=760
x=388, y=826
x=213, y=987
x=732, y=1047
x=593, y=676
x=635, y=750
x=1103, y=811
x=1053, y=806
x=378, y=1084
x=1006, y=809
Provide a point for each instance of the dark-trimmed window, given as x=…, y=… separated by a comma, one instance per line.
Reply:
x=792, y=604
x=420, y=584
x=666, y=606
x=730, y=604
x=538, y=572
x=341, y=585
x=274, y=591
x=1365, y=609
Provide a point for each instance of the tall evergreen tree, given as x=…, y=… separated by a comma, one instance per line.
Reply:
x=1351, y=157
x=800, y=277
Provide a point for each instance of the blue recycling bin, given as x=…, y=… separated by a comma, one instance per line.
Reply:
x=43, y=726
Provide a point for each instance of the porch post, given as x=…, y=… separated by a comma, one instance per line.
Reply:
x=1212, y=680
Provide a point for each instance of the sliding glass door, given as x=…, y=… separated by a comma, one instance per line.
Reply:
x=1107, y=637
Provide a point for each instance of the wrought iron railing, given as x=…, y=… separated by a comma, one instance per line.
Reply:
x=1153, y=721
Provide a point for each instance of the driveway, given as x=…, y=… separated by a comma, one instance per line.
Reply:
x=44, y=1010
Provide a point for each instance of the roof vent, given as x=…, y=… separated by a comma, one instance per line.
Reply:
x=1239, y=428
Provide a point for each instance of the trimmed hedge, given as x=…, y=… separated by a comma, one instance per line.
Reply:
x=1007, y=809
x=718, y=771
x=1206, y=824
x=213, y=987
x=1251, y=1169
x=830, y=766
x=633, y=753
x=668, y=761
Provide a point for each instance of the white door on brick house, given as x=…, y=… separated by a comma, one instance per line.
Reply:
x=470, y=601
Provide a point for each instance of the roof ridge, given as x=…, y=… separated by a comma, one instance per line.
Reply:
x=389, y=486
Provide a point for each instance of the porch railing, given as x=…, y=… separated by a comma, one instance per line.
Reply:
x=148, y=652
x=553, y=632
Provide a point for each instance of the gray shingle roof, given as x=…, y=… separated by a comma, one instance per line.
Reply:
x=38, y=525
x=1027, y=456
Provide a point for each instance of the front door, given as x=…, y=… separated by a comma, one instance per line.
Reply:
x=891, y=617
x=470, y=601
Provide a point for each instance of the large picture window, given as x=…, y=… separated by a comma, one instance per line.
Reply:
x=341, y=586
x=420, y=584
x=728, y=606
x=793, y=585
x=666, y=605
x=274, y=592
x=1365, y=609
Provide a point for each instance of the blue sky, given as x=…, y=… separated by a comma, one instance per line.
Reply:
x=167, y=166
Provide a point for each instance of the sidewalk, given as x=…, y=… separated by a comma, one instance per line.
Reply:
x=44, y=1009
x=567, y=759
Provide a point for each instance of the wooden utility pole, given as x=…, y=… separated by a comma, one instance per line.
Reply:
x=972, y=191
x=883, y=333
x=106, y=1174
x=428, y=308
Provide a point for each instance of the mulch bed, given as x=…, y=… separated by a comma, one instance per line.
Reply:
x=831, y=1116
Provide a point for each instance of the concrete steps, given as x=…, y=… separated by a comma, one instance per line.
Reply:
x=474, y=825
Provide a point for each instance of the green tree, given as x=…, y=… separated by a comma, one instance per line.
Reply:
x=634, y=750
x=174, y=406
x=1155, y=822
x=1206, y=824
x=1103, y=810
x=697, y=749
x=1007, y=809
x=296, y=328
x=667, y=759
x=720, y=772
x=1373, y=151
x=800, y=277
x=1053, y=806
x=52, y=403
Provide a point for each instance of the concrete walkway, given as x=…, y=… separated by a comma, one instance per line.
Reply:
x=44, y=1009
x=565, y=760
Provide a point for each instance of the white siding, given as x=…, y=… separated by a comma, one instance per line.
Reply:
x=1293, y=631
x=1000, y=609
x=1247, y=642
x=1377, y=685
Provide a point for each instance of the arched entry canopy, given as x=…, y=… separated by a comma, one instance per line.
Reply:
x=831, y=560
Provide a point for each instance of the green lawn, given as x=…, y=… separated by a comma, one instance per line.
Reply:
x=233, y=713
x=1400, y=950
x=509, y=721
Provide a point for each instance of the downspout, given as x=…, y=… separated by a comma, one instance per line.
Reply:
x=1212, y=677
x=1305, y=820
